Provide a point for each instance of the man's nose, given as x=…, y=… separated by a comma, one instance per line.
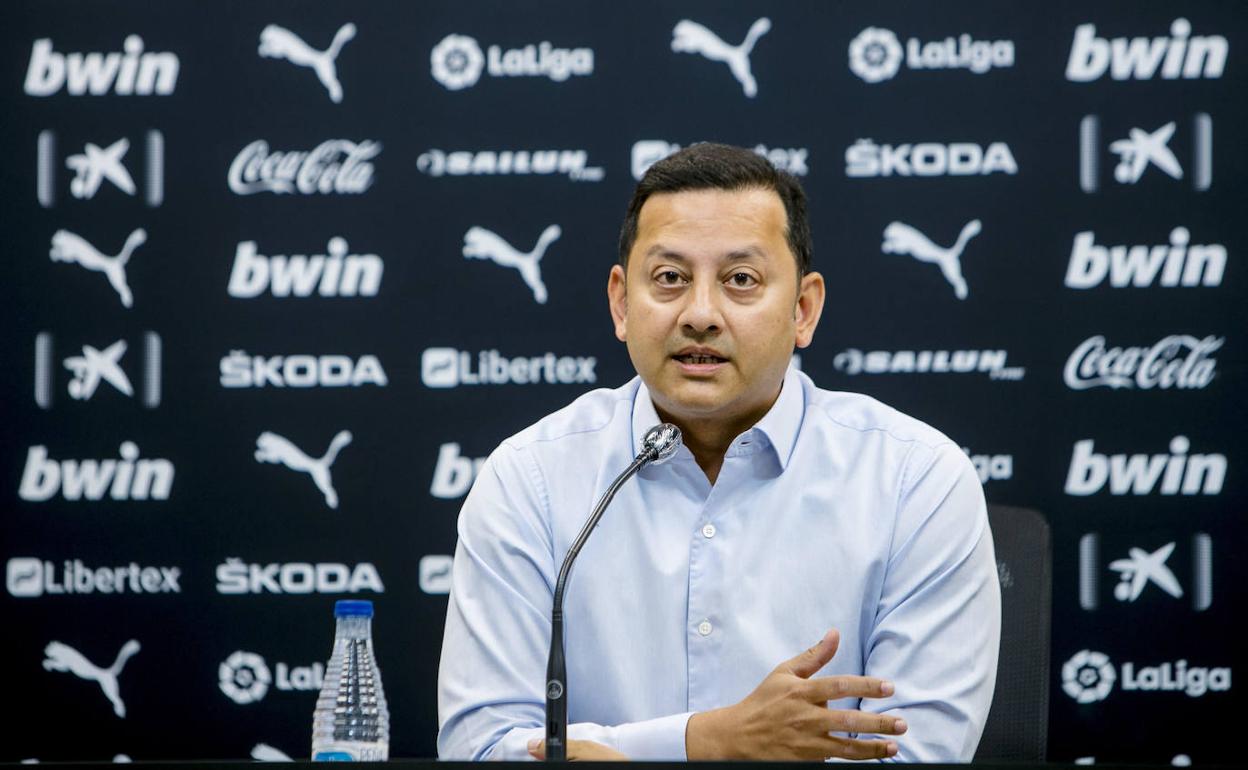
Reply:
x=702, y=313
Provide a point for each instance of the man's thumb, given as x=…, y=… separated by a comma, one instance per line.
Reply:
x=810, y=661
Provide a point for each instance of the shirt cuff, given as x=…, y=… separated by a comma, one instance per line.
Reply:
x=654, y=739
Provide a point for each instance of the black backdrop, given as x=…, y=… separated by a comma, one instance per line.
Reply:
x=253, y=554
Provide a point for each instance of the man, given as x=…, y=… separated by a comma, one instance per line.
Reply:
x=790, y=515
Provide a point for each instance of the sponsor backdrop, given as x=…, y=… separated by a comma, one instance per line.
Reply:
x=278, y=275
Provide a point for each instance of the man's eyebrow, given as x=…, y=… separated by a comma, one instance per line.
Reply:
x=737, y=255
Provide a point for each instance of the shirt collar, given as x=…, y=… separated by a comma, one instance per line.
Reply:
x=778, y=428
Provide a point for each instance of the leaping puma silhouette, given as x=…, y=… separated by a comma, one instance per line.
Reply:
x=272, y=448
x=900, y=238
x=68, y=247
x=480, y=243
x=691, y=37
x=62, y=657
x=280, y=43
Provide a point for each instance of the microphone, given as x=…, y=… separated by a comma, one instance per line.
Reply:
x=658, y=446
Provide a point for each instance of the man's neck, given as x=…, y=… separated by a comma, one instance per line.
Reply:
x=708, y=439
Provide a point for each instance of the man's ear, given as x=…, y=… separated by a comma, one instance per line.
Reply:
x=810, y=293
x=617, y=298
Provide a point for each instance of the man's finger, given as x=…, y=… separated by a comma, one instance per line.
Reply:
x=808, y=662
x=839, y=721
x=852, y=748
x=826, y=688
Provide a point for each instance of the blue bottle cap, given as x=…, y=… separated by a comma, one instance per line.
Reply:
x=353, y=608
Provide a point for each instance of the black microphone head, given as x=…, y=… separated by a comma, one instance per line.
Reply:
x=661, y=442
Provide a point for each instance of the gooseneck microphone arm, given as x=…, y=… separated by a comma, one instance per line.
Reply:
x=659, y=444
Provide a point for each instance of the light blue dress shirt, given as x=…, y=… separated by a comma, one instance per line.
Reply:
x=833, y=511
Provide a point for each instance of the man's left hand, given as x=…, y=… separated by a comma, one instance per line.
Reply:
x=580, y=751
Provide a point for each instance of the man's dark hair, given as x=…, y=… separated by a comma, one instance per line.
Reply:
x=710, y=166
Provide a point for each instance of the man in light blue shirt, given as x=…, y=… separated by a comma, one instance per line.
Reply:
x=791, y=516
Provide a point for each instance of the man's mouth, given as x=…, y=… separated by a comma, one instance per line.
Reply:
x=699, y=359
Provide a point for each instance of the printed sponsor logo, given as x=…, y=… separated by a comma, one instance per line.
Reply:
x=235, y=577
x=901, y=238
x=457, y=62
x=335, y=166
x=128, y=478
x=647, y=152
x=96, y=367
x=1178, y=263
x=1182, y=55
x=853, y=361
x=279, y=450
x=864, y=158
x=131, y=71
x=480, y=243
x=61, y=657
x=1089, y=677
x=876, y=54
x=435, y=573
x=454, y=473
x=239, y=370
x=96, y=165
x=992, y=467
x=574, y=164
x=30, y=577
x=1142, y=568
x=449, y=368
x=692, y=37
x=280, y=43
x=71, y=248
x=1141, y=150
x=337, y=273
x=244, y=677
x=1177, y=361
x=1140, y=474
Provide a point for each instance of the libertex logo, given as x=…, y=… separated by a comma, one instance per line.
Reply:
x=450, y=368
x=31, y=577
x=96, y=165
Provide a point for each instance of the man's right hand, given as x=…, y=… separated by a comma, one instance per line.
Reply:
x=787, y=716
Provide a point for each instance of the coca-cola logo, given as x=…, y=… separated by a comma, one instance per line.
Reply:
x=336, y=166
x=1176, y=361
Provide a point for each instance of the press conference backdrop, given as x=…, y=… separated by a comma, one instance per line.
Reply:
x=278, y=275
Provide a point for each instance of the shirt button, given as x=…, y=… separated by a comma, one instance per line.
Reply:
x=709, y=530
x=705, y=628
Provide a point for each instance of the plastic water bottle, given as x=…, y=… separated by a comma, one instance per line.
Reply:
x=351, y=721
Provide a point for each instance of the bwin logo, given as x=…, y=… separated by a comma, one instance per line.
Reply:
x=1179, y=56
x=454, y=474
x=480, y=243
x=1178, y=263
x=691, y=37
x=1172, y=474
x=900, y=238
x=336, y=273
x=272, y=448
x=62, y=657
x=280, y=43
x=68, y=247
x=236, y=577
x=126, y=479
x=133, y=72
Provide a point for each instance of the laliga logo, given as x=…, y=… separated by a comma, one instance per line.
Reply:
x=457, y=62
x=1089, y=677
x=876, y=54
x=244, y=677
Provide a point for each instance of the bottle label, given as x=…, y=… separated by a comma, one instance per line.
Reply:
x=333, y=756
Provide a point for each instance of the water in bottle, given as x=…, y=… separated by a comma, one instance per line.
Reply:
x=351, y=722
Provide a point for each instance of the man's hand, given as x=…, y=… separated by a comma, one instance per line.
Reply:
x=580, y=751
x=787, y=716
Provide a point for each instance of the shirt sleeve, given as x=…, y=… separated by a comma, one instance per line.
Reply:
x=938, y=621
x=491, y=677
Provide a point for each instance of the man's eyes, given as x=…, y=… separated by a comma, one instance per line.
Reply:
x=742, y=280
x=737, y=280
x=669, y=278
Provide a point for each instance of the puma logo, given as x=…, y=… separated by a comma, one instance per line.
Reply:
x=691, y=37
x=272, y=448
x=900, y=238
x=280, y=43
x=480, y=243
x=68, y=247
x=62, y=657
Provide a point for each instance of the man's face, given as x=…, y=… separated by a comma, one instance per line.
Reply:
x=711, y=306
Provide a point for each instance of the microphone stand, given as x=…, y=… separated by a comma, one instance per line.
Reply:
x=657, y=447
